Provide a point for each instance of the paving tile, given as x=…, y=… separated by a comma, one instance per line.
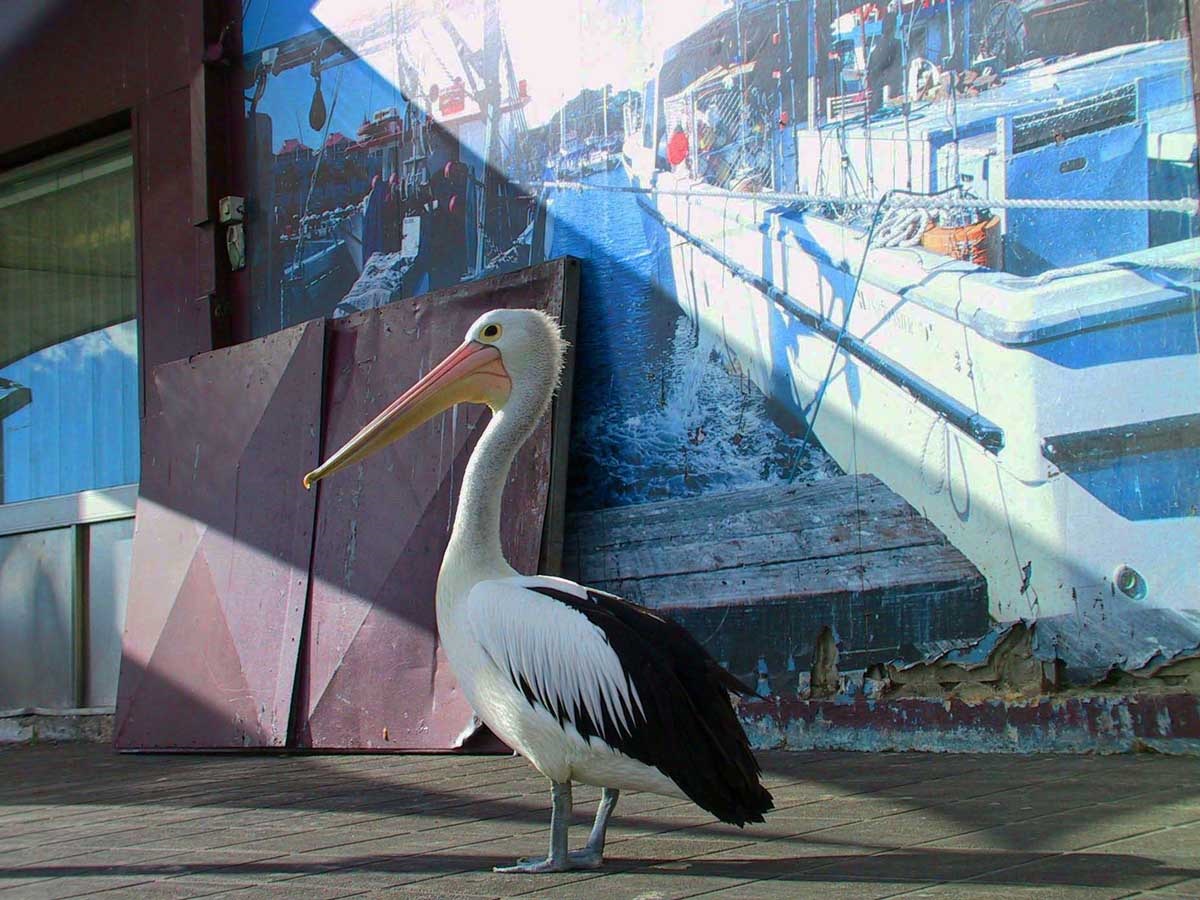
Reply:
x=919, y=864
x=1177, y=844
x=801, y=851
x=57, y=888
x=11, y=882
x=1072, y=830
x=904, y=829
x=986, y=811
x=488, y=883
x=372, y=875
x=223, y=865
x=198, y=834
x=394, y=846
x=26, y=857
x=1092, y=869
x=406, y=893
x=465, y=828
x=1187, y=888
x=313, y=839
x=399, y=871
x=284, y=820
x=674, y=843
x=135, y=864
x=775, y=828
x=290, y=889
x=176, y=889
x=652, y=883
x=969, y=891
x=791, y=888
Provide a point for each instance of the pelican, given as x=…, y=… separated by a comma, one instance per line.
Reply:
x=588, y=687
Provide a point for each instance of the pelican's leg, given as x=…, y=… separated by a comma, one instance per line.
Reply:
x=560, y=818
x=592, y=855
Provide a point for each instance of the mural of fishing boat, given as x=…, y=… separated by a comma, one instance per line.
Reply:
x=436, y=181
x=1020, y=365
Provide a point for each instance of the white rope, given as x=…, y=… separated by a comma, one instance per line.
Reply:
x=902, y=227
x=1189, y=207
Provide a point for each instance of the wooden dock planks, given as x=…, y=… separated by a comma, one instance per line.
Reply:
x=758, y=572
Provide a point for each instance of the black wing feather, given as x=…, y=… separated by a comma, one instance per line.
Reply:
x=690, y=731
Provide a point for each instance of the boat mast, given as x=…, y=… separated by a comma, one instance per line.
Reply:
x=787, y=156
x=489, y=101
x=606, y=115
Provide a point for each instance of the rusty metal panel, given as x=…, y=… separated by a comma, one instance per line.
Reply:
x=222, y=546
x=373, y=675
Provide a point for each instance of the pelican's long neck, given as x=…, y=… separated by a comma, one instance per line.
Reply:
x=474, y=550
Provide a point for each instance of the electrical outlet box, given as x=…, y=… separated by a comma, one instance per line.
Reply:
x=232, y=209
x=235, y=243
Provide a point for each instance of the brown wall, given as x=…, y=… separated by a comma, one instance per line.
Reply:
x=71, y=70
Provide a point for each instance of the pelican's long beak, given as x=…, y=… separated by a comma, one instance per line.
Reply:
x=474, y=373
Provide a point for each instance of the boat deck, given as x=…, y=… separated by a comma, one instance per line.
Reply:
x=762, y=571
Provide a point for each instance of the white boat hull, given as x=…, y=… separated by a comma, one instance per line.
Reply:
x=1046, y=545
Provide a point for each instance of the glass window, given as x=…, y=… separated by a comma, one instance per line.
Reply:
x=37, y=620
x=68, y=348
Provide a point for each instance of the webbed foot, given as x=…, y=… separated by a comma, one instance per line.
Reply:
x=534, y=865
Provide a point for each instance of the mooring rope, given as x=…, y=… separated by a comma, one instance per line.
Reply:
x=1185, y=206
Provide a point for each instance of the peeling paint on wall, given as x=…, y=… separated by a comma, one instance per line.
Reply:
x=1168, y=723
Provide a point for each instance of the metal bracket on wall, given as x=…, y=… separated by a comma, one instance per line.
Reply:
x=220, y=315
x=235, y=245
x=80, y=540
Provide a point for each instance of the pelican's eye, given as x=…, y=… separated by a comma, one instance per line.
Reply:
x=490, y=333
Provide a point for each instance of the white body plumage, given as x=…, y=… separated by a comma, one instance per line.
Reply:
x=485, y=622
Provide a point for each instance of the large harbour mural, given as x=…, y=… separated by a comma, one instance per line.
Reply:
x=889, y=307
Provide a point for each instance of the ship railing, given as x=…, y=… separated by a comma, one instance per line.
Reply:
x=728, y=131
x=897, y=202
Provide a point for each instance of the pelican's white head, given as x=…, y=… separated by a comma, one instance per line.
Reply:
x=508, y=355
x=530, y=345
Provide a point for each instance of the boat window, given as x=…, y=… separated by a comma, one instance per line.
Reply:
x=68, y=349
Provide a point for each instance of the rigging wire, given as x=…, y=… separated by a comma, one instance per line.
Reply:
x=811, y=414
x=261, y=22
x=815, y=407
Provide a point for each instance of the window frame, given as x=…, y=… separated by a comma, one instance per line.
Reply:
x=93, y=504
x=76, y=510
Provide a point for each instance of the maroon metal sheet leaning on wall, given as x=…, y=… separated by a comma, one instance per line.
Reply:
x=222, y=546
x=372, y=674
